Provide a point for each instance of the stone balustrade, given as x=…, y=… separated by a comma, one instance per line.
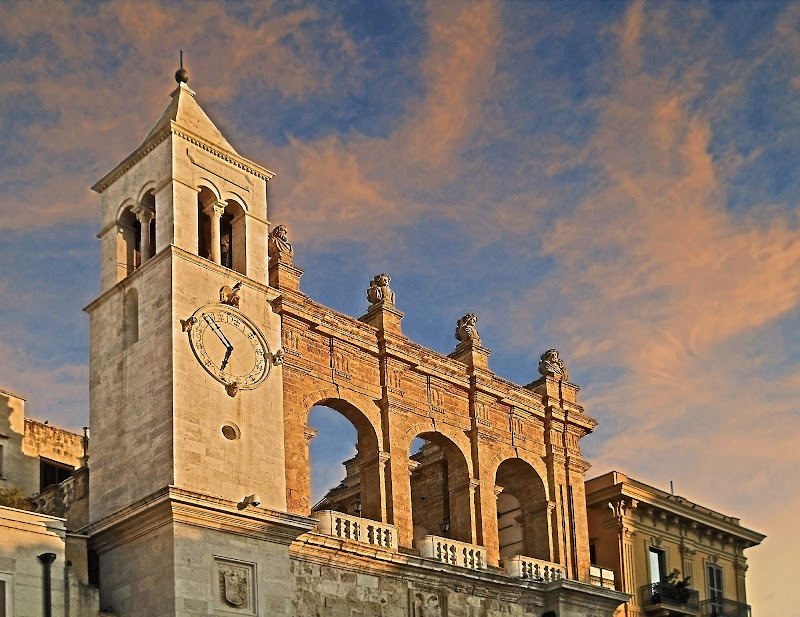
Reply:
x=452, y=552
x=529, y=568
x=356, y=529
x=602, y=577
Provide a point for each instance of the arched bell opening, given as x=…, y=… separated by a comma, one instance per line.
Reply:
x=440, y=488
x=233, y=240
x=129, y=238
x=145, y=212
x=339, y=433
x=522, y=511
x=205, y=199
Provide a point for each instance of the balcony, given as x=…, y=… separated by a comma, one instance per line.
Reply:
x=602, y=577
x=452, y=552
x=667, y=599
x=355, y=529
x=724, y=608
x=534, y=569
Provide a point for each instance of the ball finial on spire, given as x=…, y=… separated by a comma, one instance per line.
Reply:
x=181, y=75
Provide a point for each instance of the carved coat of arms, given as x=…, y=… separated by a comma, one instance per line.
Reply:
x=234, y=587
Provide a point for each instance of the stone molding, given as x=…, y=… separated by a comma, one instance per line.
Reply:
x=174, y=505
x=174, y=129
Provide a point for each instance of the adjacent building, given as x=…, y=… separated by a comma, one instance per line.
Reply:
x=673, y=556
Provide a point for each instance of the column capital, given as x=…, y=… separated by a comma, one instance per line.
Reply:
x=214, y=209
x=143, y=213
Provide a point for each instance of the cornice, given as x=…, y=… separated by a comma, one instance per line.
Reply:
x=671, y=506
x=181, y=132
x=174, y=505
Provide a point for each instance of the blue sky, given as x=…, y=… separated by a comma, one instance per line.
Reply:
x=614, y=179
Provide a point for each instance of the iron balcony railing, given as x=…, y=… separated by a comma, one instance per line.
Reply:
x=669, y=593
x=724, y=608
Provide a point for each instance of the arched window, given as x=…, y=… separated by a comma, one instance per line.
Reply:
x=232, y=237
x=440, y=489
x=204, y=198
x=130, y=318
x=129, y=238
x=522, y=511
x=148, y=204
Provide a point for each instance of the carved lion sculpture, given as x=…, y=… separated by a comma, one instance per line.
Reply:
x=278, y=245
x=379, y=291
x=466, y=330
x=551, y=364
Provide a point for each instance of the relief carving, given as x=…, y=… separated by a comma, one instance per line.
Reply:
x=482, y=413
x=341, y=365
x=291, y=342
x=436, y=400
x=235, y=586
x=424, y=604
x=230, y=295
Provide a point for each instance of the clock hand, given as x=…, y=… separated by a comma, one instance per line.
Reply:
x=218, y=332
x=226, y=358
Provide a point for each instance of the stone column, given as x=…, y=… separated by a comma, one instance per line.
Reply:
x=145, y=216
x=214, y=211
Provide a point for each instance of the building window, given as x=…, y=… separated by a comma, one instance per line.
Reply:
x=1, y=462
x=6, y=598
x=658, y=565
x=592, y=553
x=715, y=594
x=52, y=472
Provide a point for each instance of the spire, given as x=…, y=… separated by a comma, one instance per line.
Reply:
x=185, y=112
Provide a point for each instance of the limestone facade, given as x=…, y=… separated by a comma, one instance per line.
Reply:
x=643, y=534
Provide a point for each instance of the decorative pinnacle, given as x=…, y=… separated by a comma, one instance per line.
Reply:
x=181, y=75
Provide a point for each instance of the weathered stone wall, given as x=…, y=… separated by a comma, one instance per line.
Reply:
x=393, y=391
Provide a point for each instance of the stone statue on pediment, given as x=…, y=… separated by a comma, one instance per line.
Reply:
x=279, y=246
x=466, y=330
x=551, y=365
x=379, y=292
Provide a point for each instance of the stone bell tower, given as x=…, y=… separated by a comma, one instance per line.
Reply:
x=188, y=506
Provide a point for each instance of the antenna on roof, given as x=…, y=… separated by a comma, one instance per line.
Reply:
x=671, y=489
x=181, y=75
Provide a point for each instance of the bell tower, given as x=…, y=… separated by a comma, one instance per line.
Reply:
x=186, y=397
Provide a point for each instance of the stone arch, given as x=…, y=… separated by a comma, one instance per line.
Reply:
x=233, y=236
x=234, y=196
x=441, y=488
x=207, y=197
x=129, y=237
x=368, y=460
x=149, y=187
x=523, y=510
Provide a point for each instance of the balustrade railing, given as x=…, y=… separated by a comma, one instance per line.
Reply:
x=529, y=568
x=669, y=593
x=724, y=608
x=602, y=577
x=363, y=530
x=452, y=552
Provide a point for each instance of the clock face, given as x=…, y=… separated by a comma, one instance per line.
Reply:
x=230, y=346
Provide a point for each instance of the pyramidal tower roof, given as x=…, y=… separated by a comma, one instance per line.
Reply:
x=185, y=111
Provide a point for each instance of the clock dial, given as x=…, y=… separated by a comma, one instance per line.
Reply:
x=229, y=346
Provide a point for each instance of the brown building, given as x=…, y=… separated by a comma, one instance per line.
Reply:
x=673, y=556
